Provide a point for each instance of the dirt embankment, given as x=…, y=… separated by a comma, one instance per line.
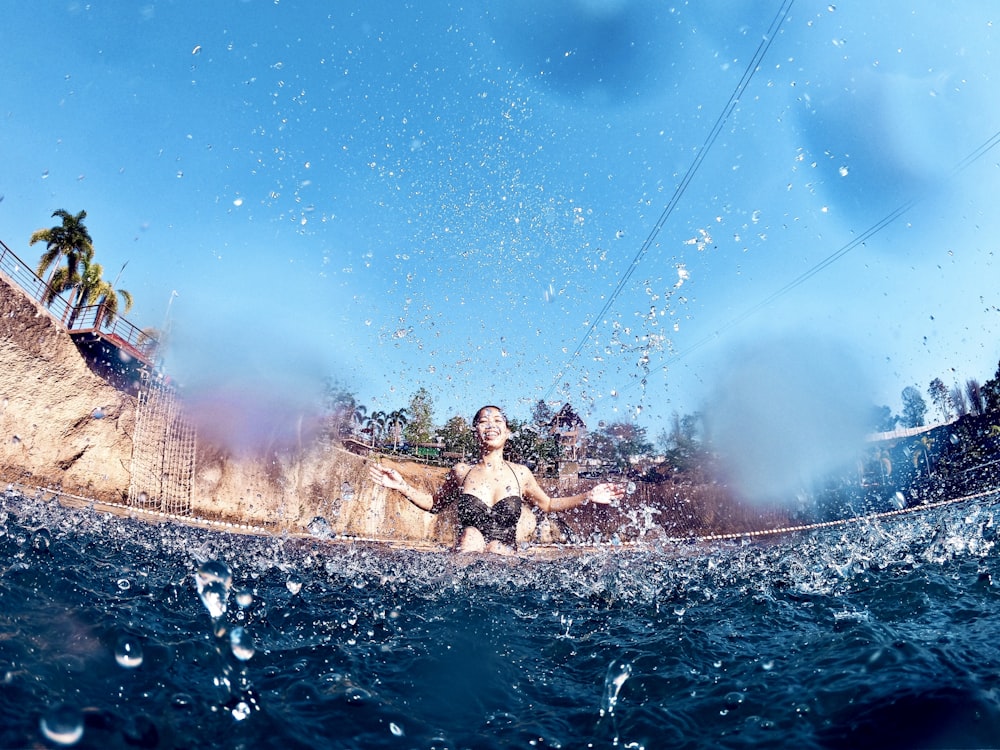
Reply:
x=60, y=425
x=64, y=427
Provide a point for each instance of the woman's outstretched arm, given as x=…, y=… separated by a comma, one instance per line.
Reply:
x=602, y=494
x=389, y=478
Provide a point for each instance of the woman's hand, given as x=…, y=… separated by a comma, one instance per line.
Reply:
x=605, y=493
x=388, y=478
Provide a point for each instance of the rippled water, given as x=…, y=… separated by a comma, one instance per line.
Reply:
x=115, y=633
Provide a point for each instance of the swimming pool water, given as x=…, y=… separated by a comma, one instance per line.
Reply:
x=874, y=634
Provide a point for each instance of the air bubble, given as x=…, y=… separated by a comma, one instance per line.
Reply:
x=128, y=652
x=62, y=725
x=241, y=643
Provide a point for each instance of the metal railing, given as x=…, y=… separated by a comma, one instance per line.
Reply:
x=89, y=319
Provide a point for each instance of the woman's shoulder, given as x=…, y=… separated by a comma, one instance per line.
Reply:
x=520, y=469
x=459, y=471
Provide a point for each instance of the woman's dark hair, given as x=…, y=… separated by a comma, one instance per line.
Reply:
x=484, y=408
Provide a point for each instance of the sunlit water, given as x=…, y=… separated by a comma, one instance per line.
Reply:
x=116, y=633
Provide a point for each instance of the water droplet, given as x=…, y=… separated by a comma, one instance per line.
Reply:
x=734, y=700
x=214, y=581
x=397, y=731
x=62, y=725
x=128, y=652
x=241, y=711
x=241, y=643
x=41, y=540
x=123, y=584
x=293, y=585
x=244, y=598
x=97, y=413
x=618, y=672
x=238, y=202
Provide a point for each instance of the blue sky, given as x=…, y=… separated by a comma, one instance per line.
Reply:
x=448, y=194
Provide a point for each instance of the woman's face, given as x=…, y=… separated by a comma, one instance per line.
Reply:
x=491, y=427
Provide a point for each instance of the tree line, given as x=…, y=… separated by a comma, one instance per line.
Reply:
x=682, y=447
x=532, y=442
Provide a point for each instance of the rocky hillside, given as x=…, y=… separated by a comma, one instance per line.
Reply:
x=63, y=427
x=60, y=425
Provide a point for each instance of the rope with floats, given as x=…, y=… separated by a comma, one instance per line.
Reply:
x=635, y=545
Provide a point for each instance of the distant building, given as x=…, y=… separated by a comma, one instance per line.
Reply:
x=569, y=431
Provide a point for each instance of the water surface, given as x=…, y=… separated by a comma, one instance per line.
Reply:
x=874, y=634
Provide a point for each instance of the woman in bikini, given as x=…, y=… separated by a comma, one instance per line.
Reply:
x=489, y=493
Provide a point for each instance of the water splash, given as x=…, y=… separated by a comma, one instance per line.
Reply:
x=618, y=672
x=214, y=581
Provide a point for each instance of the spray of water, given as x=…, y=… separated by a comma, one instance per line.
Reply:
x=785, y=413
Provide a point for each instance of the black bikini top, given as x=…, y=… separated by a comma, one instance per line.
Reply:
x=497, y=521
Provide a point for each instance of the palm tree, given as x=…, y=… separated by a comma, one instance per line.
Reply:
x=94, y=290
x=70, y=240
x=376, y=425
x=61, y=279
x=397, y=421
x=359, y=416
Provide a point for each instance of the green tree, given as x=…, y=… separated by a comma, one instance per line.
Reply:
x=541, y=415
x=420, y=418
x=527, y=445
x=341, y=408
x=914, y=408
x=375, y=425
x=396, y=421
x=882, y=419
x=990, y=394
x=959, y=401
x=618, y=443
x=69, y=240
x=95, y=290
x=457, y=436
x=974, y=394
x=681, y=447
x=941, y=398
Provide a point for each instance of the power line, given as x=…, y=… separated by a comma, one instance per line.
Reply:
x=682, y=186
x=980, y=151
